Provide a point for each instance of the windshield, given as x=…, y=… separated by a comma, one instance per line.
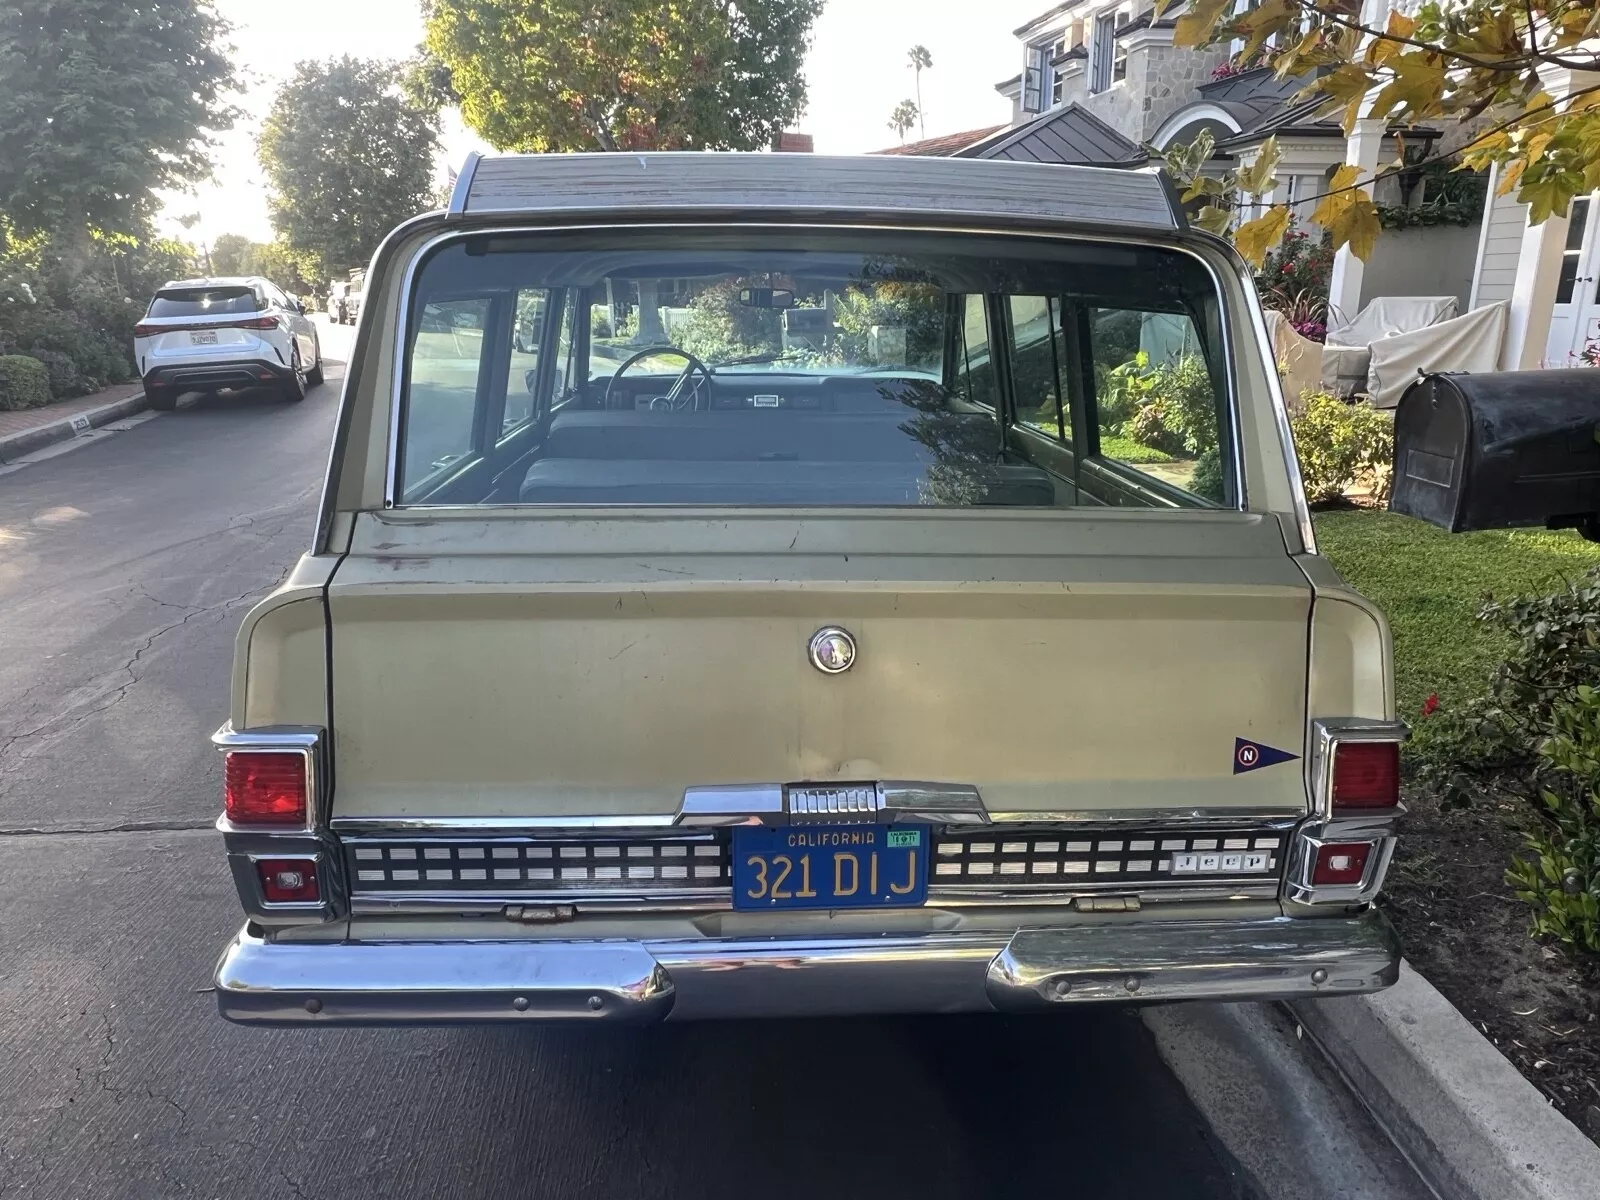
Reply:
x=829, y=367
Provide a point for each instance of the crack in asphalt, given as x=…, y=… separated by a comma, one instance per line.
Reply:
x=188, y=826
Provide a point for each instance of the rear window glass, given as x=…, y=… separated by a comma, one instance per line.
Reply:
x=818, y=368
x=202, y=302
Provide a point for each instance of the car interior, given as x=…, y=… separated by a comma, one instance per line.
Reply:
x=813, y=375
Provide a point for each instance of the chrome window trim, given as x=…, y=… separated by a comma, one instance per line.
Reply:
x=305, y=740
x=391, y=499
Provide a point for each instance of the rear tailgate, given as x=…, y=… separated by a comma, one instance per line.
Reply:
x=511, y=664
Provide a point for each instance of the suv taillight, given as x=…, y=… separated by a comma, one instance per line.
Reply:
x=143, y=330
x=265, y=787
x=1366, y=775
x=256, y=323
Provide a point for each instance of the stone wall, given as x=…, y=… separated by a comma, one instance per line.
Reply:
x=1161, y=79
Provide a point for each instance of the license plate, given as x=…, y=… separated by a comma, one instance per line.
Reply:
x=203, y=337
x=830, y=866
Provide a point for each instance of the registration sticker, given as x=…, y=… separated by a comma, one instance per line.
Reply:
x=904, y=837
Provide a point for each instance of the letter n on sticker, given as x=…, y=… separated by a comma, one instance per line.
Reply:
x=1249, y=756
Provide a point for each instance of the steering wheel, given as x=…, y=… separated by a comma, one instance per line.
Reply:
x=669, y=402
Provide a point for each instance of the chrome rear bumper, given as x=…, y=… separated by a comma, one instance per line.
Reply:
x=400, y=983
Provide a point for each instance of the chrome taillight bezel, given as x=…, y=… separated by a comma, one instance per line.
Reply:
x=1374, y=826
x=249, y=843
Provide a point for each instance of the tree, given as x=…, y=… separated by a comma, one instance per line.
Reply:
x=1481, y=59
x=903, y=117
x=919, y=60
x=104, y=102
x=553, y=75
x=233, y=254
x=348, y=155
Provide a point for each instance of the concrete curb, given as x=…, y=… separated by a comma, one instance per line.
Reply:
x=20, y=444
x=1464, y=1116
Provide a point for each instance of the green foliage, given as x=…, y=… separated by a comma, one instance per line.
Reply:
x=24, y=382
x=918, y=308
x=720, y=328
x=1559, y=875
x=1338, y=443
x=1430, y=584
x=103, y=103
x=1124, y=390
x=552, y=75
x=1293, y=278
x=233, y=254
x=1208, y=481
x=348, y=156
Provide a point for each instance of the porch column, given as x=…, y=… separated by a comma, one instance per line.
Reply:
x=1532, y=294
x=1344, y=289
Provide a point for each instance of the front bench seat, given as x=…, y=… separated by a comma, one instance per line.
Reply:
x=748, y=436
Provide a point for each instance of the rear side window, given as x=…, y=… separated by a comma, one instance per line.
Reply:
x=203, y=302
x=741, y=368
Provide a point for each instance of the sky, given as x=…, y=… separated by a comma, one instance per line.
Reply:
x=856, y=73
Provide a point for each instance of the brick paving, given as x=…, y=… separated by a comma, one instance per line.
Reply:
x=28, y=419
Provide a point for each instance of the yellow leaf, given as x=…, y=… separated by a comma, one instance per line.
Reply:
x=1214, y=220
x=1267, y=18
x=1339, y=192
x=1534, y=149
x=1357, y=226
x=1195, y=27
x=1400, y=25
x=1510, y=175
x=1254, y=238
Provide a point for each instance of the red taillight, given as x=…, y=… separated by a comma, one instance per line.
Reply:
x=264, y=788
x=286, y=880
x=1366, y=775
x=1341, y=862
x=143, y=330
x=257, y=323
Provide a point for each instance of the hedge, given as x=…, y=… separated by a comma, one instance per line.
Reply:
x=24, y=382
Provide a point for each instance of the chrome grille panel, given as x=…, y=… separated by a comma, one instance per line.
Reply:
x=814, y=802
x=512, y=865
x=1066, y=857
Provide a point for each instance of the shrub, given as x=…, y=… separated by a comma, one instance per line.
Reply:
x=1559, y=876
x=1188, y=405
x=1124, y=390
x=1556, y=652
x=65, y=378
x=1149, y=428
x=1295, y=275
x=1207, y=481
x=24, y=382
x=1338, y=443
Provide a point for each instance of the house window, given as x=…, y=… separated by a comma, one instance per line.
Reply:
x=1102, y=52
x=1573, y=252
x=1033, y=78
x=1058, y=80
x=1119, y=52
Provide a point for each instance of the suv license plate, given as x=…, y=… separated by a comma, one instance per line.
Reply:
x=203, y=337
x=830, y=866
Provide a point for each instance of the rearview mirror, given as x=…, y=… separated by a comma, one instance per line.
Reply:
x=766, y=297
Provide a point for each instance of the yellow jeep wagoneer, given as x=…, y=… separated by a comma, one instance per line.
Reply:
x=777, y=584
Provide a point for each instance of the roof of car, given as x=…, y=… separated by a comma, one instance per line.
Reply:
x=778, y=184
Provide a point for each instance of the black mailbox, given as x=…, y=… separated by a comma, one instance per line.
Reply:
x=1500, y=449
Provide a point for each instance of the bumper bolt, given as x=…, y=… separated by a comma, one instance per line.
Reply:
x=1131, y=983
x=596, y=1003
x=1062, y=987
x=520, y=1004
x=1320, y=975
x=313, y=1005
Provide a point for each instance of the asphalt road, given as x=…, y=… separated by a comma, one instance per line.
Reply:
x=125, y=567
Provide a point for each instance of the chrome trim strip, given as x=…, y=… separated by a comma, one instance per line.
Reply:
x=448, y=826
x=938, y=803
x=1176, y=241
x=1280, y=409
x=1106, y=958
x=730, y=804
x=388, y=904
x=457, y=208
x=1179, y=818
x=962, y=895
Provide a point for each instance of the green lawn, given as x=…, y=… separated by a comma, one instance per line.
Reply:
x=1125, y=449
x=1430, y=583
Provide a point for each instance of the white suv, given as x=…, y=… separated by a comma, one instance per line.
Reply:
x=203, y=335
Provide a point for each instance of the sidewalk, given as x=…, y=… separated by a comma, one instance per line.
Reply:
x=30, y=429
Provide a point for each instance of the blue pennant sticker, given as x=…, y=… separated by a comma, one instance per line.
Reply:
x=1247, y=756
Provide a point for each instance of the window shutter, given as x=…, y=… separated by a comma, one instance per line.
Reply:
x=1033, y=79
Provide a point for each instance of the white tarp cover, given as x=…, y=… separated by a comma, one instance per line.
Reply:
x=1469, y=343
x=1299, y=360
x=1390, y=315
x=1346, y=361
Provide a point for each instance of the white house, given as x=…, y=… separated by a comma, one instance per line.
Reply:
x=1104, y=73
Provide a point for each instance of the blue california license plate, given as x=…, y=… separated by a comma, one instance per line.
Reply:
x=830, y=866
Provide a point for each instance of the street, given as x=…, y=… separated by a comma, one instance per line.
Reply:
x=125, y=567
